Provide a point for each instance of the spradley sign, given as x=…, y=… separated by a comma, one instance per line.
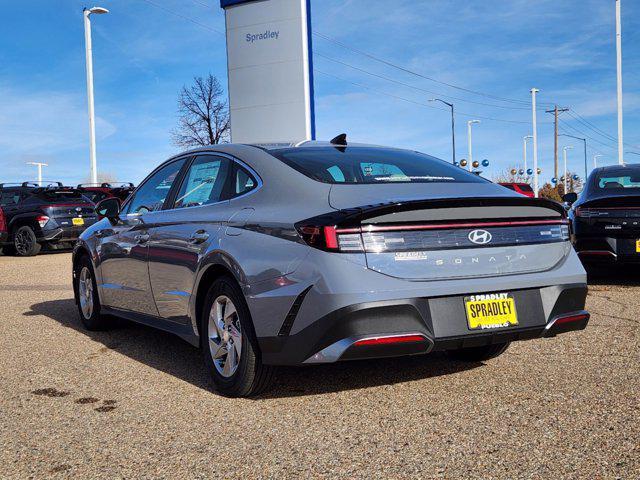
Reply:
x=269, y=69
x=268, y=35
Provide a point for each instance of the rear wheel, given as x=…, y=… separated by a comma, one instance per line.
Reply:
x=229, y=345
x=87, y=297
x=478, y=354
x=25, y=242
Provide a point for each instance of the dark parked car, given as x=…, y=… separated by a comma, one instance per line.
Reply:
x=606, y=216
x=325, y=252
x=99, y=191
x=33, y=217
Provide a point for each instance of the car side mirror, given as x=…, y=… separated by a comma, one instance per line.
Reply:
x=570, y=197
x=109, y=208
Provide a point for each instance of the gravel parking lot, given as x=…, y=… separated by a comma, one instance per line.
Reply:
x=136, y=403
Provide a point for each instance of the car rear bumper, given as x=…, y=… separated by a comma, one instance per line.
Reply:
x=602, y=249
x=422, y=325
x=4, y=237
x=62, y=234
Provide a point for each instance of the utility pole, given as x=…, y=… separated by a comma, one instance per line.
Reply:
x=619, y=78
x=555, y=112
x=39, y=165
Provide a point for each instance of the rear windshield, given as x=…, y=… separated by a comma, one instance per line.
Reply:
x=71, y=196
x=621, y=180
x=525, y=187
x=371, y=165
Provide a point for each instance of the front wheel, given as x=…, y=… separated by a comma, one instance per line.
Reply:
x=478, y=354
x=229, y=345
x=25, y=242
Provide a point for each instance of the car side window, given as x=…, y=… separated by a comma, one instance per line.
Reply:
x=243, y=182
x=152, y=194
x=204, y=183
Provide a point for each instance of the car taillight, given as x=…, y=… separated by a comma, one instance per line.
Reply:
x=42, y=220
x=421, y=237
x=3, y=221
x=590, y=212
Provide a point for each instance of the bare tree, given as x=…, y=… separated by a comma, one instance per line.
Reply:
x=203, y=114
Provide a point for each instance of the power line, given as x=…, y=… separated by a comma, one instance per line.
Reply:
x=580, y=132
x=184, y=17
x=388, y=79
x=404, y=99
x=411, y=72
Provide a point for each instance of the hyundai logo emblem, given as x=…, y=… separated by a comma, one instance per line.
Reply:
x=480, y=237
x=78, y=209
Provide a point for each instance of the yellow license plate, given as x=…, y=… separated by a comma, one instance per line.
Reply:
x=637, y=246
x=77, y=222
x=492, y=310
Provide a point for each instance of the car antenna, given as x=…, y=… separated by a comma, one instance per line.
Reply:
x=340, y=140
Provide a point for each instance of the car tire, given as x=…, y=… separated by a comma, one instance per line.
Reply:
x=478, y=354
x=25, y=242
x=229, y=344
x=86, y=291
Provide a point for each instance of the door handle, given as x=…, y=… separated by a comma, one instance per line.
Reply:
x=200, y=236
x=141, y=238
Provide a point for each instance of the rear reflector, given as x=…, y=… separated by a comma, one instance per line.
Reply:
x=3, y=222
x=390, y=339
x=571, y=319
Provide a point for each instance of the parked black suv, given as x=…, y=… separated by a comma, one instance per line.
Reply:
x=32, y=217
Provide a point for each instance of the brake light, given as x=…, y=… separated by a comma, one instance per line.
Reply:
x=42, y=220
x=3, y=222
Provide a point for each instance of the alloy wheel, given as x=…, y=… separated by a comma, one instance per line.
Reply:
x=23, y=242
x=225, y=336
x=85, y=293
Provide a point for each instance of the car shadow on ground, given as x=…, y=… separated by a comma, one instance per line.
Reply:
x=617, y=275
x=170, y=354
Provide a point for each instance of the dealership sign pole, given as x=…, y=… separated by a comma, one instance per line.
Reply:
x=270, y=70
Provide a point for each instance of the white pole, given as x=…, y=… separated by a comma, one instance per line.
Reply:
x=619, y=72
x=469, y=123
x=524, y=151
x=595, y=160
x=535, y=141
x=564, y=153
x=93, y=168
x=39, y=165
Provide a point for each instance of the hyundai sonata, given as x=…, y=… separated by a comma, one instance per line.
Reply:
x=323, y=252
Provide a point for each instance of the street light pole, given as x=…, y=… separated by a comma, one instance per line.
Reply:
x=469, y=123
x=524, y=150
x=619, y=79
x=564, y=154
x=535, y=140
x=39, y=165
x=585, y=151
x=453, y=127
x=89, y=59
x=595, y=160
